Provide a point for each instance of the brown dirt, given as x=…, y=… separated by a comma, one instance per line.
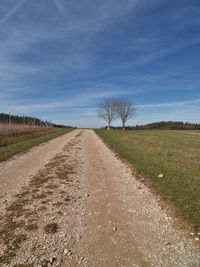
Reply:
x=16, y=172
x=104, y=215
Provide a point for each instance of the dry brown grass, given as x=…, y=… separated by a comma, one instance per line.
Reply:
x=19, y=128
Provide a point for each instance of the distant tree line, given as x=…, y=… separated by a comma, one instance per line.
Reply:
x=164, y=125
x=27, y=120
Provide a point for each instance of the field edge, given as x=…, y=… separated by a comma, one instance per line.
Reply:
x=14, y=149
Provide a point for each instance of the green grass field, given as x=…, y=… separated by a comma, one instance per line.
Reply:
x=12, y=144
x=176, y=154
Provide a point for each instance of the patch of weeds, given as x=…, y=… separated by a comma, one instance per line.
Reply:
x=57, y=203
x=35, y=190
x=7, y=257
x=23, y=193
x=49, y=192
x=38, y=181
x=42, y=208
x=52, y=165
x=30, y=213
x=24, y=265
x=51, y=186
x=60, y=169
x=42, y=195
x=32, y=220
x=16, y=206
x=12, y=247
x=67, y=199
x=33, y=249
x=7, y=231
x=18, y=240
x=51, y=228
x=44, y=263
x=32, y=227
x=64, y=175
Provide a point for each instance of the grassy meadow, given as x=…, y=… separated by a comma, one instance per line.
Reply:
x=11, y=144
x=175, y=154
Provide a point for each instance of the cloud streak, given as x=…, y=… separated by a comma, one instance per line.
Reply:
x=12, y=11
x=170, y=105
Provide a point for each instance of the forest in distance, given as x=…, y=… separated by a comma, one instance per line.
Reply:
x=163, y=125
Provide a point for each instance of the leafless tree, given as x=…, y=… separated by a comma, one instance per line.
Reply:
x=125, y=110
x=107, y=110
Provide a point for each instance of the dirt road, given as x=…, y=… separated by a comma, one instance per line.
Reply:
x=16, y=172
x=104, y=215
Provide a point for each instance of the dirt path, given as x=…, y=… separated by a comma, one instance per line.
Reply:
x=102, y=215
x=128, y=227
x=16, y=172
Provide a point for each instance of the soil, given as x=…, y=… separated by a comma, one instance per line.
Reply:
x=17, y=171
x=91, y=211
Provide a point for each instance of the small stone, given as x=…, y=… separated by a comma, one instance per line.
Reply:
x=87, y=195
x=160, y=175
x=115, y=228
x=191, y=233
x=196, y=239
x=110, y=222
x=198, y=233
x=65, y=251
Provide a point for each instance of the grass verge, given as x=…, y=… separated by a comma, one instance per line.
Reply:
x=176, y=155
x=13, y=138
x=12, y=149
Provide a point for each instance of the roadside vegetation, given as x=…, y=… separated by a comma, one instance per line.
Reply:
x=23, y=218
x=12, y=144
x=13, y=138
x=175, y=154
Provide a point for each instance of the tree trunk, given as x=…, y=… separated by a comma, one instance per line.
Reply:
x=123, y=126
x=108, y=126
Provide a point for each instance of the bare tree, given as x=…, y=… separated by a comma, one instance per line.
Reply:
x=107, y=110
x=125, y=109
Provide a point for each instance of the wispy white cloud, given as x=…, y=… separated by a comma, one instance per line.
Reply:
x=75, y=103
x=12, y=11
x=169, y=105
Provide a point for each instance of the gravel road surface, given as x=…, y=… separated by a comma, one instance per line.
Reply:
x=104, y=216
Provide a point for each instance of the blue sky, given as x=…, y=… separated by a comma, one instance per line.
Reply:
x=59, y=58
